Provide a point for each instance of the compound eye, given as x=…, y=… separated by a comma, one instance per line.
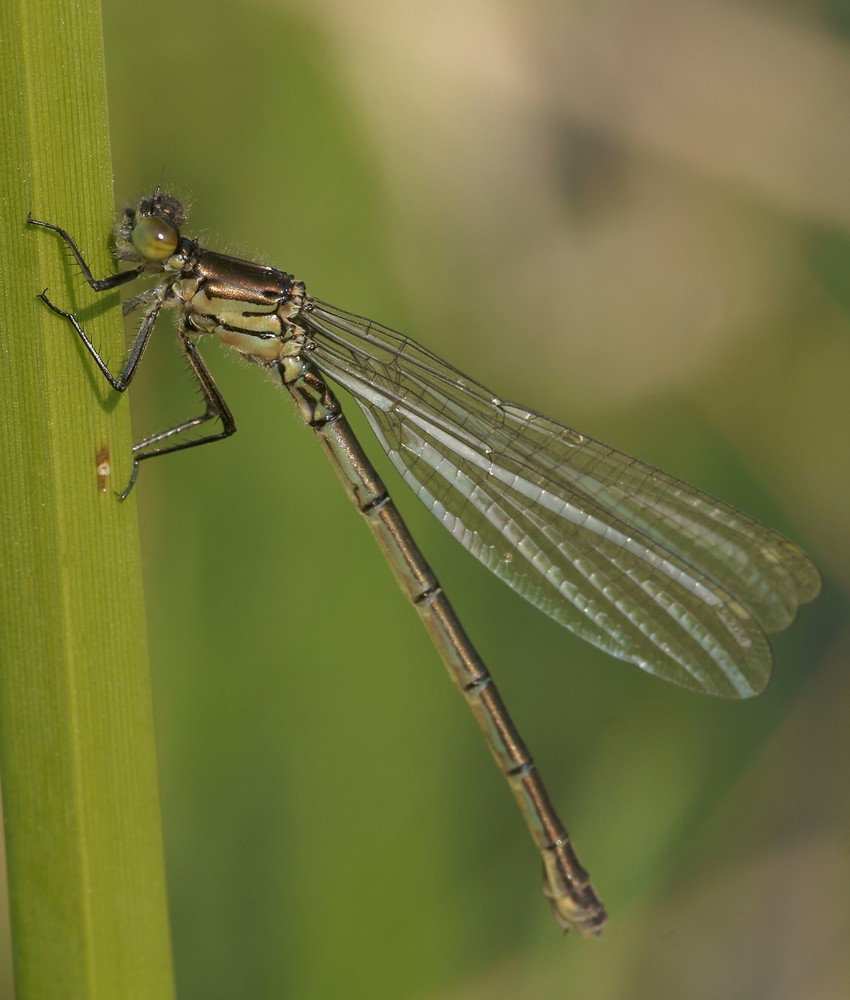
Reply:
x=154, y=238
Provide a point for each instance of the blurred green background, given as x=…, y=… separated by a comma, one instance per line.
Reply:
x=633, y=217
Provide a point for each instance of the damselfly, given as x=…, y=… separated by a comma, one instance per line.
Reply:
x=646, y=567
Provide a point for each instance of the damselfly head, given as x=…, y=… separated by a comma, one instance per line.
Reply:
x=150, y=232
x=163, y=206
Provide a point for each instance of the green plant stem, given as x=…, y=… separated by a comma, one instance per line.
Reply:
x=77, y=753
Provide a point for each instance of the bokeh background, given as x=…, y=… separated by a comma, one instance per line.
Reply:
x=634, y=216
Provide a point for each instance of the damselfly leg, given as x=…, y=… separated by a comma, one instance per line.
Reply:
x=151, y=301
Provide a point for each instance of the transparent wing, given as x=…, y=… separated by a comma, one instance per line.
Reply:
x=641, y=564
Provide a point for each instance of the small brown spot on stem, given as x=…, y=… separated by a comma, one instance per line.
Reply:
x=103, y=468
